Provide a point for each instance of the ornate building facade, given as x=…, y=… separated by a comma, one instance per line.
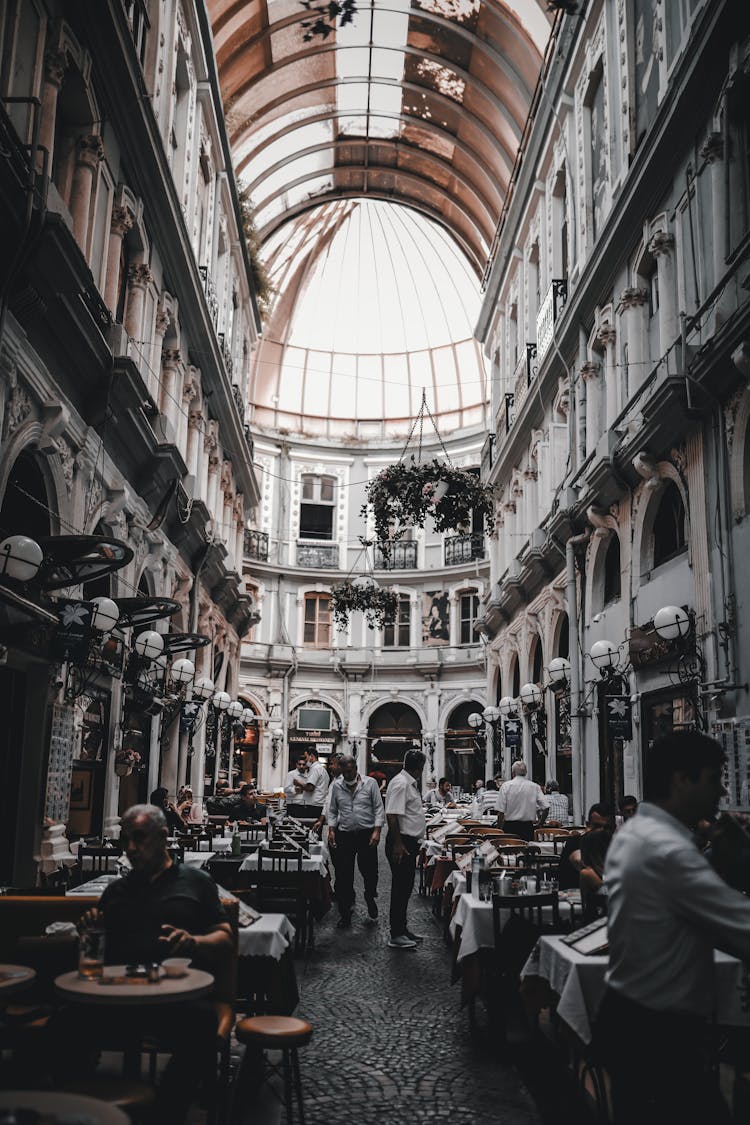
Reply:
x=128, y=321
x=616, y=317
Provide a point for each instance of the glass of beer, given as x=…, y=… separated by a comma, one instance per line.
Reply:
x=91, y=954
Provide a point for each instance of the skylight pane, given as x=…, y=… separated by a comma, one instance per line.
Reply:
x=345, y=385
x=286, y=146
x=370, y=387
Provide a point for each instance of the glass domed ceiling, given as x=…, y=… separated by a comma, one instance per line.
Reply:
x=375, y=302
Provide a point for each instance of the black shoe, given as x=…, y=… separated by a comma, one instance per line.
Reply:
x=372, y=907
x=414, y=937
x=344, y=922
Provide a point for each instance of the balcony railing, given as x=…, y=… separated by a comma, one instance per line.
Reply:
x=549, y=311
x=226, y=351
x=463, y=549
x=510, y=411
x=256, y=546
x=318, y=556
x=401, y=556
x=210, y=290
x=487, y=456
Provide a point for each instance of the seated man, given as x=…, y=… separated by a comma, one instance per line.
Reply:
x=569, y=870
x=248, y=807
x=444, y=795
x=158, y=909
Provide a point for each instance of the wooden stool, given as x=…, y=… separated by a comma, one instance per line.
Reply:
x=131, y=1095
x=278, y=1033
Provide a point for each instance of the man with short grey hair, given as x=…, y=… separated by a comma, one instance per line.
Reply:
x=520, y=803
x=355, y=818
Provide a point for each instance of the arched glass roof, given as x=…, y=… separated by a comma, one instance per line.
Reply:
x=375, y=303
x=421, y=101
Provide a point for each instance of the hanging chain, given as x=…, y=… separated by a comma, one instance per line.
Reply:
x=419, y=421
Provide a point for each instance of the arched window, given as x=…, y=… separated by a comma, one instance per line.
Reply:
x=317, y=627
x=25, y=506
x=396, y=631
x=669, y=526
x=536, y=673
x=612, y=572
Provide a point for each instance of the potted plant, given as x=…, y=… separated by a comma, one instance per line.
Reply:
x=126, y=761
x=405, y=494
x=363, y=593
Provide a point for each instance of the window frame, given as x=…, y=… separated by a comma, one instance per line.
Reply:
x=398, y=625
x=317, y=599
x=472, y=618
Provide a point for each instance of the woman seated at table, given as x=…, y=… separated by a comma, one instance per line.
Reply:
x=160, y=798
x=594, y=847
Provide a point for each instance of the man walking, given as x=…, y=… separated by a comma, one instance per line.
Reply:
x=668, y=908
x=406, y=826
x=355, y=819
x=519, y=804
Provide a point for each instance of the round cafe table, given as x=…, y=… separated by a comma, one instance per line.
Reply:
x=168, y=990
x=13, y=978
x=52, y=1104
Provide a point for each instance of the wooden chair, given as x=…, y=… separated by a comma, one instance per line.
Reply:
x=98, y=860
x=555, y=836
x=193, y=843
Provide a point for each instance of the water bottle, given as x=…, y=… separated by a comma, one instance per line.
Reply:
x=477, y=866
x=236, y=842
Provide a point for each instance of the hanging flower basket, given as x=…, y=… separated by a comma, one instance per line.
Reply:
x=123, y=770
x=405, y=494
x=378, y=605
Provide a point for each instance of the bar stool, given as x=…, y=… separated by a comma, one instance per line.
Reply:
x=276, y=1033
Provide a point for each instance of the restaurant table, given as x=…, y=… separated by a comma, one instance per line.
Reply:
x=14, y=978
x=267, y=981
x=169, y=990
x=472, y=926
x=95, y=888
x=579, y=982
x=53, y=1105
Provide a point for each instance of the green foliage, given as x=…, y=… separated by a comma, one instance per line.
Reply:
x=378, y=605
x=261, y=280
x=405, y=494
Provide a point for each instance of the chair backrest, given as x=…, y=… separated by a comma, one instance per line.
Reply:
x=193, y=843
x=529, y=907
x=279, y=859
x=98, y=860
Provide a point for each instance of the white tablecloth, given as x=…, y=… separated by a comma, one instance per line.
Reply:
x=269, y=936
x=579, y=981
x=315, y=864
x=197, y=859
x=475, y=920
x=93, y=889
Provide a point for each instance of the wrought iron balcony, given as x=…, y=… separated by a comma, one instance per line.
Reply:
x=237, y=396
x=210, y=290
x=226, y=351
x=463, y=549
x=549, y=311
x=318, y=556
x=256, y=545
x=401, y=556
x=510, y=411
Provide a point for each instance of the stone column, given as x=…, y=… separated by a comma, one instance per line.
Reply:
x=209, y=451
x=631, y=307
x=139, y=278
x=171, y=376
x=212, y=491
x=226, y=528
x=713, y=153
x=661, y=247
x=590, y=374
x=170, y=759
x=607, y=338
x=239, y=525
x=121, y=222
x=161, y=324
x=89, y=153
x=194, y=438
x=55, y=65
x=183, y=414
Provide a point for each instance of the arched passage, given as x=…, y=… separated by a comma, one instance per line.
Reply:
x=393, y=729
x=465, y=754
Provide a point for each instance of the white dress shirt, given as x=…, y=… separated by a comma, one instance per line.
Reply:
x=521, y=799
x=352, y=810
x=298, y=797
x=667, y=910
x=403, y=799
x=318, y=775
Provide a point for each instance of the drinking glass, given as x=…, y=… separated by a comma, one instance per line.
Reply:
x=91, y=954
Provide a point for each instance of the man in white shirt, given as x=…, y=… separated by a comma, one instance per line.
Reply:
x=355, y=819
x=520, y=803
x=317, y=775
x=298, y=789
x=406, y=826
x=667, y=910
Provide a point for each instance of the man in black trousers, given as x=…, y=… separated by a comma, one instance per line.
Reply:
x=355, y=819
x=406, y=826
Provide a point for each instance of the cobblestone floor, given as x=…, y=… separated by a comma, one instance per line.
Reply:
x=391, y=1042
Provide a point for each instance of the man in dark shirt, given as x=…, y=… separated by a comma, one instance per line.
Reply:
x=157, y=910
x=160, y=798
x=247, y=806
x=569, y=869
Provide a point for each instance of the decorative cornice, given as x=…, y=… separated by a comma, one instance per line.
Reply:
x=660, y=243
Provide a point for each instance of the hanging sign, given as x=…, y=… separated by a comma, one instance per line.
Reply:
x=512, y=733
x=619, y=717
x=188, y=715
x=73, y=637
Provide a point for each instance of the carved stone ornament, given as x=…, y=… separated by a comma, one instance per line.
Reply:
x=121, y=221
x=607, y=335
x=730, y=413
x=712, y=148
x=678, y=457
x=55, y=65
x=139, y=276
x=67, y=462
x=563, y=395
x=632, y=298
x=590, y=370
x=660, y=243
x=17, y=409
x=171, y=357
x=162, y=321
x=90, y=150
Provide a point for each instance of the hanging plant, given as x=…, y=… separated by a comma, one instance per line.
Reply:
x=326, y=17
x=363, y=593
x=405, y=494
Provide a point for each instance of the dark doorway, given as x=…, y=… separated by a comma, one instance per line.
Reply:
x=12, y=706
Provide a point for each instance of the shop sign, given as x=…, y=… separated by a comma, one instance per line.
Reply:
x=188, y=715
x=512, y=733
x=73, y=637
x=619, y=717
x=316, y=737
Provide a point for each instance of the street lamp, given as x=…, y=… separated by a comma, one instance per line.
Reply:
x=507, y=706
x=149, y=645
x=531, y=695
x=672, y=622
x=558, y=671
x=106, y=614
x=604, y=656
x=203, y=688
x=182, y=672
x=20, y=558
